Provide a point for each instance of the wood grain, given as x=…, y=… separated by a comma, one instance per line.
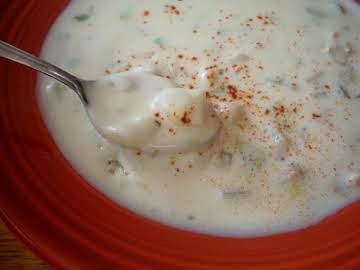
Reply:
x=15, y=256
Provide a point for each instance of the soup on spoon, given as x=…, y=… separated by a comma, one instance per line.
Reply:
x=141, y=110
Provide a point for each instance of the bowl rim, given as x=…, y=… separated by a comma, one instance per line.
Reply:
x=69, y=229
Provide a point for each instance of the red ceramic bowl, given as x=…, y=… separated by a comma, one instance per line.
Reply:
x=72, y=226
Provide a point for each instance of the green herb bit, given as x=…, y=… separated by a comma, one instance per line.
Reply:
x=113, y=166
x=160, y=42
x=234, y=193
x=299, y=62
x=226, y=157
x=125, y=17
x=218, y=91
x=158, y=123
x=344, y=92
x=277, y=80
x=155, y=153
x=82, y=17
x=282, y=121
x=341, y=8
x=317, y=95
x=316, y=12
x=343, y=195
x=295, y=192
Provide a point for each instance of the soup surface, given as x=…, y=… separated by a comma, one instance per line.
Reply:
x=282, y=78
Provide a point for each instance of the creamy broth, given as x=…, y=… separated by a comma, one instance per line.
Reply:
x=281, y=77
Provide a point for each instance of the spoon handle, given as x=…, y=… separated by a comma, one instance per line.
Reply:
x=17, y=55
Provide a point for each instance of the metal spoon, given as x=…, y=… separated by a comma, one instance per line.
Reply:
x=17, y=55
x=104, y=115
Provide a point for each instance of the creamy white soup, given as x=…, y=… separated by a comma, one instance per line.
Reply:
x=274, y=85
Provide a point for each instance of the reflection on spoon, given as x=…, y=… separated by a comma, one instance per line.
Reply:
x=135, y=108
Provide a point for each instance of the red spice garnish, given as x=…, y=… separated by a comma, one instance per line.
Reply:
x=185, y=118
x=211, y=67
x=267, y=111
x=146, y=13
x=138, y=153
x=279, y=111
x=157, y=114
x=177, y=170
x=232, y=91
x=172, y=9
x=194, y=58
x=180, y=56
x=315, y=116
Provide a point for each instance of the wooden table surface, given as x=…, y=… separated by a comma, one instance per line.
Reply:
x=14, y=255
